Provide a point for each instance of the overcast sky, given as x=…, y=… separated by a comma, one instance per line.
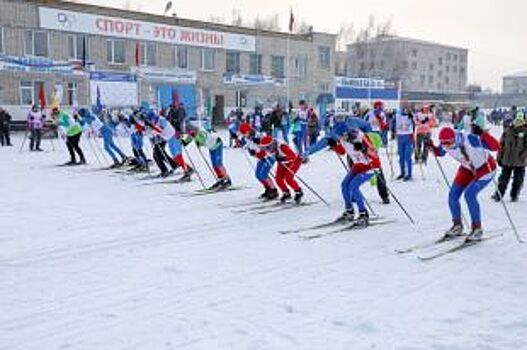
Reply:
x=495, y=32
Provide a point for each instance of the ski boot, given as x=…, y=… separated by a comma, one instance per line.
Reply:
x=264, y=194
x=187, y=175
x=496, y=197
x=285, y=197
x=363, y=220
x=400, y=177
x=70, y=163
x=347, y=216
x=475, y=235
x=407, y=178
x=386, y=200
x=116, y=164
x=225, y=183
x=272, y=194
x=298, y=196
x=455, y=231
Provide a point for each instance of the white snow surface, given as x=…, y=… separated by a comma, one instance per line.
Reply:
x=100, y=260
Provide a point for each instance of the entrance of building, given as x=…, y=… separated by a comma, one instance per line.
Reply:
x=218, y=117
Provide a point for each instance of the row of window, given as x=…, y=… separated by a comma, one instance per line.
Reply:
x=29, y=93
x=36, y=43
x=406, y=65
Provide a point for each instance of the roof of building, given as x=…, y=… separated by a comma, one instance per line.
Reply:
x=185, y=22
x=521, y=74
x=396, y=38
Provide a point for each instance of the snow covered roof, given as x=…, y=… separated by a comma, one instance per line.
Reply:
x=521, y=74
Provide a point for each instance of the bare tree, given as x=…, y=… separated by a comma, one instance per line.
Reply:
x=345, y=35
x=271, y=22
x=237, y=19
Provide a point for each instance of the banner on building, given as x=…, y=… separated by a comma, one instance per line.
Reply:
x=249, y=79
x=113, y=89
x=70, y=21
x=34, y=64
x=166, y=75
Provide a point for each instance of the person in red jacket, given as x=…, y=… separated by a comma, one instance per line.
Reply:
x=364, y=161
x=288, y=164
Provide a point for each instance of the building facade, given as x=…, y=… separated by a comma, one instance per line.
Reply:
x=515, y=83
x=420, y=66
x=81, y=54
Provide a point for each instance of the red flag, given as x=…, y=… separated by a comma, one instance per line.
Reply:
x=291, y=20
x=42, y=97
x=137, y=54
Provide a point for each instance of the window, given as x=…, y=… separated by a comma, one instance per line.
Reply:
x=148, y=53
x=405, y=64
x=36, y=43
x=233, y=62
x=72, y=94
x=447, y=69
x=423, y=79
x=323, y=87
x=414, y=53
x=454, y=69
x=414, y=65
x=207, y=59
x=461, y=70
x=380, y=65
x=439, y=74
x=255, y=64
x=360, y=54
x=431, y=66
x=76, y=46
x=116, y=51
x=300, y=65
x=277, y=66
x=362, y=66
x=430, y=79
x=181, y=57
x=440, y=61
x=455, y=57
x=27, y=93
x=447, y=80
x=241, y=98
x=448, y=56
x=324, y=56
x=1, y=40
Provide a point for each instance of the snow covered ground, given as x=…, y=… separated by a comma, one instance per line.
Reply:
x=100, y=260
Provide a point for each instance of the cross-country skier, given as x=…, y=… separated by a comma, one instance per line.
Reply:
x=424, y=121
x=73, y=131
x=378, y=121
x=362, y=153
x=403, y=128
x=265, y=163
x=106, y=132
x=161, y=126
x=136, y=138
x=288, y=164
x=214, y=143
x=476, y=171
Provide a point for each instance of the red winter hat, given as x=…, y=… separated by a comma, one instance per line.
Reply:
x=377, y=104
x=447, y=135
x=266, y=141
x=245, y=128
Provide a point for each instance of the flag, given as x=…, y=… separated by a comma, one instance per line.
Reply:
x=137, y=54
x=291, y=20
x=42, y=97
x=54, y=100
x=98, y=104
x=167, y=7
x=84, y=52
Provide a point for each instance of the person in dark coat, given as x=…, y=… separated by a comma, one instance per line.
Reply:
x=512, y=158
x=5, y=119
x=181, y=117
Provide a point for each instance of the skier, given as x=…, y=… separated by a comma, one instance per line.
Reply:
x=512, y=158
x=106, y=132
x=73, y=131
x=160, y=126
x=378, y=121
x=424, y=121
x=265, y=163
x=475, y=172
x=214, y=143
x=362, y=153
x=35, y=123
x=288, y=164
x=403, y=128
x=136, y=137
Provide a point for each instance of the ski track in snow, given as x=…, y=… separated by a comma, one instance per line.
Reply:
x=93, y=261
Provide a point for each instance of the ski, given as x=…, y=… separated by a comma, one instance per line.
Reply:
x=335, y=222
x=350, y=227
x=203, y=192
x=456, y=248
x=244, y=204
x=283, y=206
x=268, y=204
x=439, y=241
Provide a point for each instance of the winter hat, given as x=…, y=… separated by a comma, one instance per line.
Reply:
x=266, y=141
x=479, y=119
x=377, y=104
x=519, y=120
x=447, y=135
x=245, y=128
x=339, y=128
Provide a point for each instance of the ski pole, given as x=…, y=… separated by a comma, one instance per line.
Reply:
x=505, y=208
x=364, y=198
x=206, y=162
x=390, y=159
x=304, y=183
x=194, y=166
x=465, y=221
x=94, y=152
x=398, y=203
x=23, y=142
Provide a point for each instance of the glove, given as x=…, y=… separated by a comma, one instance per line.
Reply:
x=358, y=146
x=428, y=143
x=393, y=136
x=500, y=163
x=477, y=130
x=31, y=118
x=256, y=140
x=252, y=152
x=280, y=158
x=424, y=121
x=332, y=142
x=148, y=123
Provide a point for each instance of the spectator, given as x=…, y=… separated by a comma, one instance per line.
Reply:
x=313, y=127
x=512, y=158
x=35, y=123
x=5, y=119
